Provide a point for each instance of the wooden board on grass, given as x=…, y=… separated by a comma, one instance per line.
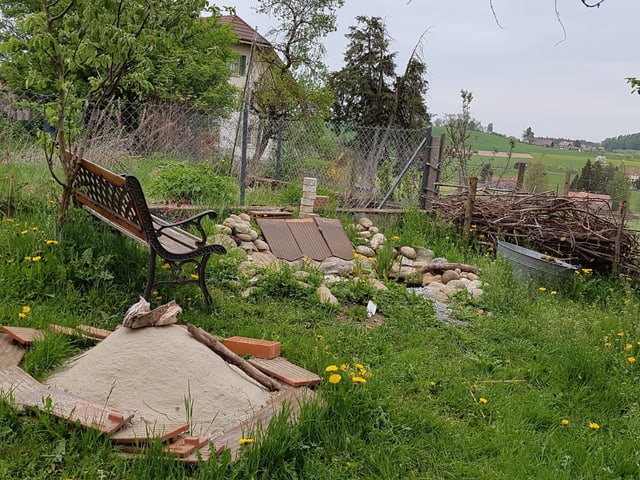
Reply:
x=25, y=391
x=141, y=432
x=22, y=335
x=284, y=370
x=93, y=332
x=10, y=353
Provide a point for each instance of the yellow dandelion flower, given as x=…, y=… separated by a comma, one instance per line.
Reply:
x=594, y=426
x=564, y=422
x=344, y=366
x=245, y=441
x=26, y=309
x=319, y=337
x=587, y=271
x=607, y=344
x=21, y=315
x=166, y=266
x=620, y=334
x=37, y=258
x=542, y=289
x=331, y=368
x=34, y=229
x=359, y=366
x=335, y=378
x=358, y=380
x=395, y=238
x=27, y=259
x=432, y=384
x=553, y=292
x=194, y=276
x=51, y=242
x=10, y=260
x=631, y=359
x=483, y=400
x=24, y=232
x=628, y=346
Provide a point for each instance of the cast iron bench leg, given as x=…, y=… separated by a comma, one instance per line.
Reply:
x=202, y=266
x=151, y=274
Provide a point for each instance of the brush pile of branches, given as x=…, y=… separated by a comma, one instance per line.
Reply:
x=562, y=227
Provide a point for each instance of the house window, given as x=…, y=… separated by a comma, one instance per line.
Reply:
x=242, y=66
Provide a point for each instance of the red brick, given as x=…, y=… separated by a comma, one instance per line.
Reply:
x=253, y=346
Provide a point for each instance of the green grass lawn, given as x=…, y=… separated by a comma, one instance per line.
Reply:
x=529, y=382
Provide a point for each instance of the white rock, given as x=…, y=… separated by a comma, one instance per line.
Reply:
x=248, y=246
x=374, y=230
x=326, y=296
x=261, y=245
x=365, y=234
x=408, y=252
x=449, y=275
x=244, y=237
x=377, y=284
x=366, y=251
x=242, y=227
x=333, y=265
x=253, y=234
x=365, y=222
x=244, y=217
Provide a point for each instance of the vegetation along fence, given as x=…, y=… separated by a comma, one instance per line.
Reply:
x=359, y=164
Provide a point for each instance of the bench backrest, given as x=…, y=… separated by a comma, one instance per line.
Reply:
x=116, y=199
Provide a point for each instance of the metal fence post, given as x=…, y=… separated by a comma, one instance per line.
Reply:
x=243, y=160
x=422, y=198
x=279, y=145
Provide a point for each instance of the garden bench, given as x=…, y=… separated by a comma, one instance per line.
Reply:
x=118, y=200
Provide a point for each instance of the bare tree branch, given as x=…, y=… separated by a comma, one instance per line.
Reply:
x=588, y=5
x=494, y=14
x=564, y=30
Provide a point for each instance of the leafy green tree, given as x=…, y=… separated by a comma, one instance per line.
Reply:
x=528, y=135
x=535, y=178
x=458, y=151
x=619, y=188
x=364, y=87
x=84, y=52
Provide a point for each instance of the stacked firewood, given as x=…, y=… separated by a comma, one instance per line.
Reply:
x=565, y=228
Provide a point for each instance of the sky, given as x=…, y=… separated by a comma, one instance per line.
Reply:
x=521, y=69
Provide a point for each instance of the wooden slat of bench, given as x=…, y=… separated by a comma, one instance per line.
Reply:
x=175, y=240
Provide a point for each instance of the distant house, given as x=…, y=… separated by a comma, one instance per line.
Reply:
x=249, y=40
x=543, y=142
x=595, y=202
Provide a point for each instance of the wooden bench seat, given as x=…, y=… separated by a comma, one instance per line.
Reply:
x=118, y=200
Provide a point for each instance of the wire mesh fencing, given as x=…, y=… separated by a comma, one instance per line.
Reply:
x=359, y=164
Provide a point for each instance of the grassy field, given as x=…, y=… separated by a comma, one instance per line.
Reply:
x=530, y=381
x=557, y=162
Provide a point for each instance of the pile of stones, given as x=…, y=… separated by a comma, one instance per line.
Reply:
x=414, y=266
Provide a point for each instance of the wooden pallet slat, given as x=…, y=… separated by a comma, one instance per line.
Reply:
x=286, y=371
x=22, y=335
x=10, y=353
x=25, y=391
x=141, y=432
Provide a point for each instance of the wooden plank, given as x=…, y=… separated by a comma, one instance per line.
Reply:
x=293, y=397
x=185, y=446
x=22, y=335
x=141, y=432
x=25, y=391
x=202, y=454
x=93, y=332
x=280, y=239
x=286, y=371
x=63, y=330
x=10, y=353
x=309, y=239
x=335, y=236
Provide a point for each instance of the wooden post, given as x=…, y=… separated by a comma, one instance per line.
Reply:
x=429, y=188
x=520, y=181
x=471, y=200
x=616, y=247
x=567, y=181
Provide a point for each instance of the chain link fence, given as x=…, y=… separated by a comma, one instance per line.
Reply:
x=358, y=164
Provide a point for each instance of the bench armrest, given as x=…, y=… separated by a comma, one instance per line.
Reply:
x=196, y=221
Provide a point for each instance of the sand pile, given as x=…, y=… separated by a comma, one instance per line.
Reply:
x=160, y=373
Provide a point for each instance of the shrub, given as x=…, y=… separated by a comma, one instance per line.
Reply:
x=196, y=182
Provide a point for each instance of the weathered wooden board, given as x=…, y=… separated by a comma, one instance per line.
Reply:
x=286, y=371
x=185, y=446
x=93, y=332
x=25, y=391
x=22, y=335
x=141, y=432
x=10, y=353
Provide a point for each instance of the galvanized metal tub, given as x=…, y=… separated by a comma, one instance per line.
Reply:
x=531, y=265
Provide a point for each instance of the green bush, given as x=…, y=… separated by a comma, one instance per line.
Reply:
x=194, y=183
